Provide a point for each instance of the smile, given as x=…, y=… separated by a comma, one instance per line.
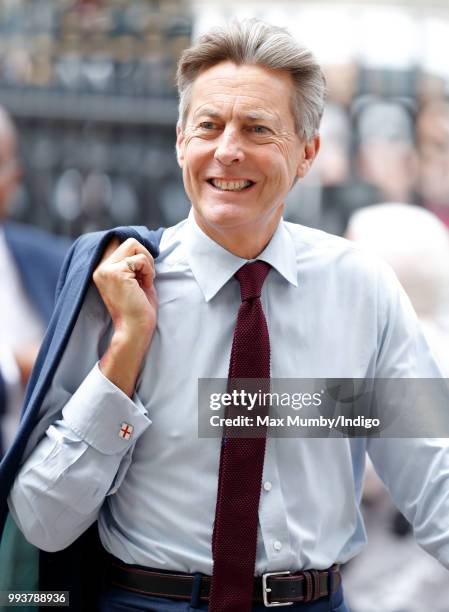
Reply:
x=236, y=185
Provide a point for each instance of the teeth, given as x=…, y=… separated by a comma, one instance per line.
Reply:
x=230, y=185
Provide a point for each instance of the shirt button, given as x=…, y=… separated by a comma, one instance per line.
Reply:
x=267, y=485
x=277, y=545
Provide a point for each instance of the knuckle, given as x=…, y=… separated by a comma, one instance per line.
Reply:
x=98, y=277
x=102, y=272
x=148, y=257
x=132, y=242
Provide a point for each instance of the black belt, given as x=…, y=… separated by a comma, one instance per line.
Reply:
x=272, y=588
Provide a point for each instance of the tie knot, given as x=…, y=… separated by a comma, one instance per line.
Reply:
x=251, y=278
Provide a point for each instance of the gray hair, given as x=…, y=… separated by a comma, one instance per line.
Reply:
x=253, y=41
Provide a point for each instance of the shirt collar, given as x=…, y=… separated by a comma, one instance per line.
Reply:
x=212, y=265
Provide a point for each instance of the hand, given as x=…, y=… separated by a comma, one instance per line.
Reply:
x=124, y=279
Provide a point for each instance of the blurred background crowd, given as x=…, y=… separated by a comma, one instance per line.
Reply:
x=89, y=85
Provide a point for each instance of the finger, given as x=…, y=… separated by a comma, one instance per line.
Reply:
x=112, y=246
x=140, y=267
x=128, y=248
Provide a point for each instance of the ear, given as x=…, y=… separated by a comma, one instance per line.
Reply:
x=179, y=144
x=310, y=151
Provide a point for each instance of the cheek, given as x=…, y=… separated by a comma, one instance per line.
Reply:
x=196, y=154
x=279, y=164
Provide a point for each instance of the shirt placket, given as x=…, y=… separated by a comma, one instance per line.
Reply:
x=273, y=515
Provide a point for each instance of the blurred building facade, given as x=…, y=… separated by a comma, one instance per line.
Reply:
x=90, y=86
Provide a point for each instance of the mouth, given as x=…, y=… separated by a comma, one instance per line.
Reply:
x=231, y=185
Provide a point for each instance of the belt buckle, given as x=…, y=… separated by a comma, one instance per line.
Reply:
x=266, y=590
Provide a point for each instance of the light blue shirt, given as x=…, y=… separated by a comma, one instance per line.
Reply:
x=332, y=311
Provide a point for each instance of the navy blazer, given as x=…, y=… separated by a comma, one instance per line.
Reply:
x=73, y=568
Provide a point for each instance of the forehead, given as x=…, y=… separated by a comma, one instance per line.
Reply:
x=248, y=89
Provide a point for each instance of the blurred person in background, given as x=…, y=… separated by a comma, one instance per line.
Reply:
x=347, y=184
x=386, y=157
x=432, y=134
x=416, y=245
x=328, y=194
x=30, y=260
x=334, y=168
x=357, y=168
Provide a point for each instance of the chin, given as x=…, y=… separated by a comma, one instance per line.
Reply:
x=226, y=214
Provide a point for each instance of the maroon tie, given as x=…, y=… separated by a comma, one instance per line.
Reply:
x=241, y=461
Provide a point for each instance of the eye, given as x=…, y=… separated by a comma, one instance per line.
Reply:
x=208, y=125
x=259, y=129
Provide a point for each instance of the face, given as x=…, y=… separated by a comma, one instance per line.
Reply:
x=239, y=151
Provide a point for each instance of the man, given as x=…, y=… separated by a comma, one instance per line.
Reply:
x=29, y=264
x=30, y=260
x=121, y=443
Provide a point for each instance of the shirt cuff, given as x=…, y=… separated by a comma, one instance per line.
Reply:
x=103, y=416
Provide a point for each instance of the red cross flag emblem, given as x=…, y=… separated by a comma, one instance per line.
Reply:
x=126, y=431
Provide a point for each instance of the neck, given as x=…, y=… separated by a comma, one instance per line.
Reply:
x=244, y=241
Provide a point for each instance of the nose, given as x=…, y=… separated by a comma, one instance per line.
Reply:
x=229, y=149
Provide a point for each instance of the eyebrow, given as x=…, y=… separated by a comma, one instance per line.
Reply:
x=258, y=116
x=249, y=116
x=207, y=112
